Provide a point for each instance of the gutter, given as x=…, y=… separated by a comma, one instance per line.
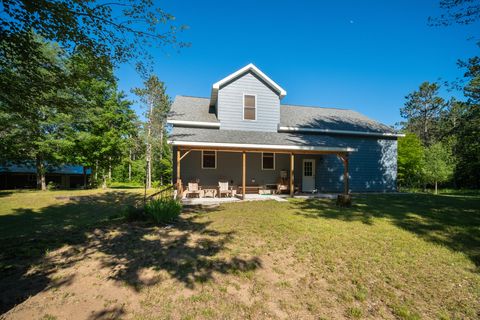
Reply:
x=346, y=132
x=194, y=124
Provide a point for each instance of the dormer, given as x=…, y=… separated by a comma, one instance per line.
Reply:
x=247, y=100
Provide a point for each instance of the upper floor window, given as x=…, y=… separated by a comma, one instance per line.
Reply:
x=209, y=159
x=249, y=107
x=268, y=161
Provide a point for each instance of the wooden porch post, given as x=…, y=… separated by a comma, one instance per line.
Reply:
x=244, y=173
x=179, y=181
x=346, y=185
x=292, y=166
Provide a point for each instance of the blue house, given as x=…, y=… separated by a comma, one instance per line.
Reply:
x=244, y=135
x=23, y=176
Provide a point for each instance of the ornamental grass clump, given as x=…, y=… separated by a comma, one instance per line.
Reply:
x=163, y=210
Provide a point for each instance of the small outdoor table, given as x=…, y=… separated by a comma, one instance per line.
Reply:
x=249, y=189
x=209, y=192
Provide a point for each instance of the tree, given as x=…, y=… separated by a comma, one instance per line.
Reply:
x=121, y=30
x=457, y=11
x=103, y=135
x=467, y=147
x=410, y=160
x=157, y=103
x=422, y=111
x=37, y=104
x=438, y=165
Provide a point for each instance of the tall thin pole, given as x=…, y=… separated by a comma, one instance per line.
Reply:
x=292, y=167
x=244, y=173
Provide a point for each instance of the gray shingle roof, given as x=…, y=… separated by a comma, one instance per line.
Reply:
x=198, y=109
x=192, y=109
x=328, y=118
x=255, y=137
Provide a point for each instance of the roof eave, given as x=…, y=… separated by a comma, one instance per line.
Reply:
x=252, y=146
x=249, y=67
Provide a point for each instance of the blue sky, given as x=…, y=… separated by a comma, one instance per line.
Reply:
x=361, y=55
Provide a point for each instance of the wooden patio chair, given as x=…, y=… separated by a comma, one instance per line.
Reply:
x=224, y=189
x=193, y=190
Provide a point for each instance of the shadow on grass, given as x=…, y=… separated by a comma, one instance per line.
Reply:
x=451, y=221
x=4, y=193
x=125, y=187
x=186, y=250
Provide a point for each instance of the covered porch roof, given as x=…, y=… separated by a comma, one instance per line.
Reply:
x=233, y=140
x=188, y=139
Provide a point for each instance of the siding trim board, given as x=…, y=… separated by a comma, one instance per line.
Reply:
x=245, y=147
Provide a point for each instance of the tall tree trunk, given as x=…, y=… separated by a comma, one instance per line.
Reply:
x=130, y=165
x=161, y=154
x=84, y=177
x=41, y=185
x=104, y=180
x=148, y=156
x=96, y=171
x=436, y=187
x=110, y=168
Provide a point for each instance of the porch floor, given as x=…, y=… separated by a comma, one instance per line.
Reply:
x=254, y=197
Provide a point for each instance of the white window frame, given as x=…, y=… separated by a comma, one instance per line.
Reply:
x=215, y=160
x=243, y=106
x=269, y=169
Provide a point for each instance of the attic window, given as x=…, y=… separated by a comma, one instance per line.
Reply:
x=249, y=107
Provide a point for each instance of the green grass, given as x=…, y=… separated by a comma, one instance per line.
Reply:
x=405, y=256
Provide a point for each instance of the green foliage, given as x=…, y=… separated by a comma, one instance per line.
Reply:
x=70, y=110
x=107, y=29
x=422, y=111
x=410, y=160
x=157, y=152
x=132, y=213
x=52, y=186
x=163, y=210
x=456, y=125
x=438, y=164
x=467, y=147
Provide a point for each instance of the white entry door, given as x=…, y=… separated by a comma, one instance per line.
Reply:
x=308, y=178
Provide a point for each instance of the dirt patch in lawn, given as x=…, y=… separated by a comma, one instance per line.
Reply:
x=265, y=260
x=109, y=274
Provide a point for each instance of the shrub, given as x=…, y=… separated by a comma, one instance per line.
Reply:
x=163, y=210
x=132, y=213
x=52, y=186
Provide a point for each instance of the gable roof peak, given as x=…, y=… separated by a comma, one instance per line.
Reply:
x=248, y=68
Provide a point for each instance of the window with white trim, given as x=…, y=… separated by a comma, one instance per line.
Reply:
x=268, y=161
x=209, y=159
x=249, y=107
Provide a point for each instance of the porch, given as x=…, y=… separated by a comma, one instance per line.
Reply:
x=252, y=173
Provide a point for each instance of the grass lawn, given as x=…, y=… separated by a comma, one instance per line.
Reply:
x=390, y=256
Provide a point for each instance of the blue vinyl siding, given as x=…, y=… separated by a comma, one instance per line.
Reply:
x=230, y=105
x=373, y=168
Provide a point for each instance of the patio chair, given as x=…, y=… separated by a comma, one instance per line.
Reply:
x=193, y=190
x=224, y=189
